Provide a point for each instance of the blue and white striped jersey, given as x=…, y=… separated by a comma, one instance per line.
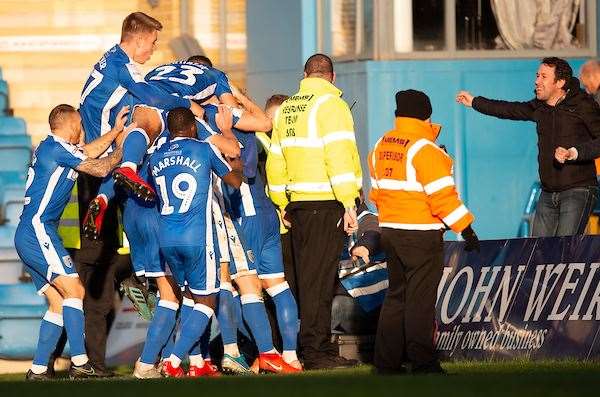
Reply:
x=113, y=83
x=50, y=180
x=189, y=80
x=182, y=173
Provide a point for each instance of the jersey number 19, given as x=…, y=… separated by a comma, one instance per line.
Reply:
x=176, y=189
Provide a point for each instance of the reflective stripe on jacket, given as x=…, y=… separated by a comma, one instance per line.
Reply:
x=313, y=154
x=411, y=180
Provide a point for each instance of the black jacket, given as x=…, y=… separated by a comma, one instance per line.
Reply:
x=573, y=121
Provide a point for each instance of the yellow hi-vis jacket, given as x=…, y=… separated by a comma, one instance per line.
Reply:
x=68, y=226
x=313, y=154
x=265, y=142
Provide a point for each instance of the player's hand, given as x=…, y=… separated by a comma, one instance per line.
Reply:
x=121, y=119
x=561, y=154
x=197, y=110
x=360, y=251
x=465, y=98
x=350, y=220
x=285, y=218
x=224, y=118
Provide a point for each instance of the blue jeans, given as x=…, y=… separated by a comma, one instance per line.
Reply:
x=564, y=213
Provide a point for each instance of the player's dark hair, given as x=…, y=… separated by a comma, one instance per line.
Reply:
x=201, y=59
x=138, y=22
x=319, y=65
x=276, y=100
x=58, y=114
x=181, y=122
x=562, y=69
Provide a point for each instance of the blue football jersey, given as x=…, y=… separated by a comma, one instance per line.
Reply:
x=247, y=140
x=110, y=86
x=182, y=173
x=50, y=180
x=189, y=80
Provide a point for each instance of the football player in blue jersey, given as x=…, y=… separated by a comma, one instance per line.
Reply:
x=50, y=179
x=243, y=270
x=115, y=81
x=182, y=170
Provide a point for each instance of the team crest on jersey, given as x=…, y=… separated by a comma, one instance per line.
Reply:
x=67, y=261
x=174, y=146
x=251, y=257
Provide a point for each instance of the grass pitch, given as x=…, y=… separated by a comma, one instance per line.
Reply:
x=515, y=378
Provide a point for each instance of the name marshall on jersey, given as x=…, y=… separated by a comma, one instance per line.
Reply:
x=175, y=160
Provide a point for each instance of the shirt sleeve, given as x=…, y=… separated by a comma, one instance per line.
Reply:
x=68, y=155
x=434, y=172
x=336, y=129
x=133, y=81
x=218, y=163
x=277, y=174
x=223, y=86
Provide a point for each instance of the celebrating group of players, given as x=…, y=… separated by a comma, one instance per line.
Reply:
x=196, y=213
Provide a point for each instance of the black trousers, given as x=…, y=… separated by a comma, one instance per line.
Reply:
x=406, y=321
x=318, y=240
x=100, y=279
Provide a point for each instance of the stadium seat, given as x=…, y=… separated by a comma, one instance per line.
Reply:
x=3, y=97
x=7, y=236
x=12, y=126
x=21, y=310
x=11, y=204
x=15, y=157
x=11, y=267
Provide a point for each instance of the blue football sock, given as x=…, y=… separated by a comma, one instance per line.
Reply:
x=287, y=314
x=226, y=316
x=168, y=347
x=135, y=146
x=239, y=318
x=107, y=188
x=204, y=343
x=192, y=329
x=74, y=323
x=50, y=332
x=185, y=310
x=159, y=331
x=255, y=315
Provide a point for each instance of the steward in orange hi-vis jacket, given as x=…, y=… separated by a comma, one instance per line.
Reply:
x=413, y=188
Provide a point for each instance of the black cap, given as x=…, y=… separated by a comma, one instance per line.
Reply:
x=414, y=104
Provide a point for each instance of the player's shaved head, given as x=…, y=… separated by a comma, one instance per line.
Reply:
x=59, y=115
x=275, y=100
x=201, y=60
x=181, y=123
x=319, y=65
x=137, y=23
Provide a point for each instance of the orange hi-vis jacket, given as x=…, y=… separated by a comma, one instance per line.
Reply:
x=411, y=180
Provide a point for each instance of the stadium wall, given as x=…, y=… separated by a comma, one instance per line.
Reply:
x=495, y=159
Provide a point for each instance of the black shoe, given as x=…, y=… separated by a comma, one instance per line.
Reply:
x=84, y=371
x=327, y=361
x=103, y=372
x=343, y=362
x=389, y=371
x=44, y=376
x=435, y=368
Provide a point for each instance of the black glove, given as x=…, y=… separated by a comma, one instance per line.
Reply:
x=471, y=240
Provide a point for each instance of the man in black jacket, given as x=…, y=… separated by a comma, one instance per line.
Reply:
x=565, y=116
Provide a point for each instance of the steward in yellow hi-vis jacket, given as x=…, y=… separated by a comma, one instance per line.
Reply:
x=413, y=188
x=314, y=177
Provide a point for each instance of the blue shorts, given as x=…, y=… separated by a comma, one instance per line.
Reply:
x=141, y=227
x=263, y=242
x=41, y=250
x=195, y=267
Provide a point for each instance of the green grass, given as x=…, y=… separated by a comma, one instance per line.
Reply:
x=515, y=378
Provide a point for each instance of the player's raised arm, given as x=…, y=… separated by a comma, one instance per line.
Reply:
x=253, y=118
x=98, y=146
x=101, y=167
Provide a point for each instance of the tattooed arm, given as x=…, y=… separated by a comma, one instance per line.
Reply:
x=101, y=167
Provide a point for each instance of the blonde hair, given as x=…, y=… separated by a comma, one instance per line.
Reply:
x=138, y=22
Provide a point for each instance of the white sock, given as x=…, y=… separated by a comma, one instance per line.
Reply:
x=175, y=361
x=80, y=359
x=38, y=369
x=129, y=164
x=145, y=366
x=232, y=350
x=289, y=356
x=197, y=360
x=272, y=351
